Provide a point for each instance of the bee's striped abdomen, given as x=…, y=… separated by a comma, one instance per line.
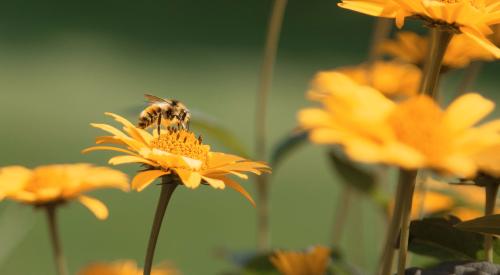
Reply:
x=149, y=116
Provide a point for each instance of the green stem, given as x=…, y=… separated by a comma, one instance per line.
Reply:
x=491, y=189
x=341, y=213
x=381, y=30
x=440, y=38
x=56, y=242
x=405, y=220
x=266, y=76
x=169, y=183
x=470, y=75
x=406, y=179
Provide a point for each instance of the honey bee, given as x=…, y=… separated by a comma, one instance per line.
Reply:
x=165, y=112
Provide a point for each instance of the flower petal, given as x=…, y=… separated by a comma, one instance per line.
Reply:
x=145, y=178
x=108, y=148
x=236, y=186
x=130, y=159
x=95, y=206
x=189, y=178
x=466, y=111
x=215, y=183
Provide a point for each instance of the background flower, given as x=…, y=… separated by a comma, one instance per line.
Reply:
x=125, y=267
x=414, y=133
x=314, y=261
x=60, y=183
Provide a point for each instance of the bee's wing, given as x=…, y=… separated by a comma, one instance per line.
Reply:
x=155, y=99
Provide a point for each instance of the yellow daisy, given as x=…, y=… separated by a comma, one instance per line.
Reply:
x=60, y=183
x=411, y=47
x=125, y=267
x=176, y=152
x=312, y=262
x=380, y=75
x=412, y=134
x=473, y=18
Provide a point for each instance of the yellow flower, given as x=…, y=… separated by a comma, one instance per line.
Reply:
x=175, y=151
x=125, y=267
x=59, y=183
x=312, y=262
x=441, y=197
x=380, y=75
x=473, y=18
x=412, y=48
x=412, y=134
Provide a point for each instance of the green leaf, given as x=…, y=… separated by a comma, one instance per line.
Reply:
x=487, y=225
x=213, y=128
x=361, y=179
x=286, y=146
x=439, y=238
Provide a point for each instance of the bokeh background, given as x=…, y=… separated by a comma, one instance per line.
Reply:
x=63, y=64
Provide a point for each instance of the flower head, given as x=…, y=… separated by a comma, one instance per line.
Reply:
x=473, y=18
x=176, y=152
x=59, y=183
x=411, y=47
x=125, y=267
x=380, y=75
x=312, y=262
x=415, y=133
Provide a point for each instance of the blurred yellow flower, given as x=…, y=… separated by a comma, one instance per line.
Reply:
x=59, y=183
x=463, y=201
x=125, y=267
x=380, y=75
x=411, y=47
x=412, y=134
x=473, y=18
x=175, y=151
x=312, y=262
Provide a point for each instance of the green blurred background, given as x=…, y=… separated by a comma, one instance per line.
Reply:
x=63, y=64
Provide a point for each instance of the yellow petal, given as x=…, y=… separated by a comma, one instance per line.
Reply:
x=466, y=111
x=215, y=183
x=130, y=159
x=133, y=131
x=145, y=178
x=95, y=206
x=236, y=186
x=481, y=40
x=189, y=178
x=13, y=178
x=107, y=148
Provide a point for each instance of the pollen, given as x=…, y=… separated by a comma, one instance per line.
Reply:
x=182, y=142
x=418, y=122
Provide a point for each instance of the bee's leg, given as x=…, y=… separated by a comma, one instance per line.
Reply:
x=159, y=124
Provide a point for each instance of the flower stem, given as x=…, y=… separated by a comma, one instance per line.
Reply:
x=470, y=75
x=491, y=189
x=405, y=183
x=440, y=38
x=167, y=189
x=341, y=213
x=266, y=75
x=405, y=220
x=56, y=242
x=381, y=30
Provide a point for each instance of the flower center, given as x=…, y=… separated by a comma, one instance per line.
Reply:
x=418, y=122
x=184, y=143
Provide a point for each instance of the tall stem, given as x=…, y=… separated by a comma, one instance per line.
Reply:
x=470, y=75
x=491, y=189
x=406, y=179
x=167, y=189
x=405, y=220
x=440, y=38
x=266, y=75
x=381, y=31
x=341, y=213
x=56, y=242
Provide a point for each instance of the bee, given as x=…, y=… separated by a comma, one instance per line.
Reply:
x=164, y=111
